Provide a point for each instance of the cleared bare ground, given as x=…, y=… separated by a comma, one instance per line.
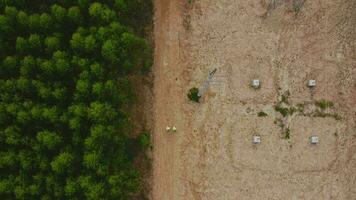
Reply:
x=284, y=43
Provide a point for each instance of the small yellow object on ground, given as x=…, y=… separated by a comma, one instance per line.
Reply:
x=174, y=129
x=168, y=128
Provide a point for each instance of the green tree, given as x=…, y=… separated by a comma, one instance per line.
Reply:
x=111, y=51
x=121, y=184
x=90, y=44
x=8, y=159
x=50, y=114
x=83, y=4
x=193, y=94
x=9, y=67
x=92, y=160
x=25, y=159
x=101, y=12
x=60, y=94
x=23, y=19
x=99, y=137
x=47, y=68
x=46, y=21
x=62, y=66
x=52, y=43
x=92, y=189
x=82, y=89
x=74, y=15
x=34, y=42
x=13, y=135
x=97, y=70
x=24, y=87
x=62, y=163
x=6, y=186
x=96, y=9
x=77, y=42
x=34, y=22
x=28, y=67
x=102, y=112
x=11, y=13
x=59, y=13
x=4, y=25
x=48, y=139
x=21, y=45
x=71, y=187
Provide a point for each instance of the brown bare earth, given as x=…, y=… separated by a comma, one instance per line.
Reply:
x=283, y=43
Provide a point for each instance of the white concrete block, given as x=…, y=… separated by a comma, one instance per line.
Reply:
x=256, y=83
x=256, y=139
x=314, y=139
x=311, y=83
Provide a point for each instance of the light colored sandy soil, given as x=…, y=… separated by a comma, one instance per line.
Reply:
x=284, y=43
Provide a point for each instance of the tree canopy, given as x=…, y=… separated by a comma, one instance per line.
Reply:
x=64, y=87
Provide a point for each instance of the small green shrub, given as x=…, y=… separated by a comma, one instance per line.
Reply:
x=336, y=116
x=262, y=114
x=297, y=6
x=193, y=94
x=300, y=107
x=285, y=97
x=292, y=110
x=284, y=111
x=323, y=104
x=287, y=134
x=145, y=140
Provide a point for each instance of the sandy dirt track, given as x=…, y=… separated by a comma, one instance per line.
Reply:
x=284, y=43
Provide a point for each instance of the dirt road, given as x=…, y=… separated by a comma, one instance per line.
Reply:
x=283, y=43
x=168, y=102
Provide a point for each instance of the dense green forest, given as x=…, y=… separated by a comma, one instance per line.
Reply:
x=64, y=95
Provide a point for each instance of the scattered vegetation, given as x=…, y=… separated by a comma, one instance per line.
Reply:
x=285, y=131
x=292, y=110
x=297, y=6
x=336, y=116
x=323, y=114
x=64, y=91
x=193, y=94
x=190, y=1
x=324, y=104
x=285, y=111
x=271, y=6
x=319, y=111
x=186, y=22
x=262, y=114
